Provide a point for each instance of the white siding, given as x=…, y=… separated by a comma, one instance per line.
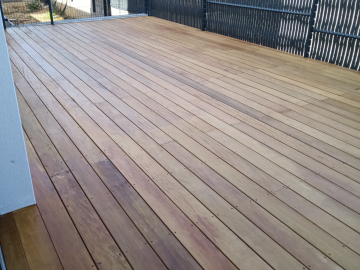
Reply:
x=16, y=190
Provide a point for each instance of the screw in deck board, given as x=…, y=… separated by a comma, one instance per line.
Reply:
x=2, y=15
x=310, y=29
x=51, y=13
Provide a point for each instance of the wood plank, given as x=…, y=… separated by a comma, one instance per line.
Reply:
x=298, y=108
x=351, y=201
x=192, y=184
x=207, y=254
x=212, y=39
x=67, y=241
x=104, y=74
x=38, y=248
x=109, y=210
x=106, y=128
x=235, y=44
x=175, y=171
x=305, y=128
x=325, y=119
x=106, y=255
x=334, y=116
x=200, y=192
x=123, y=140
x=288, y=216
x=319, y=105
x=200, y=145
x=264, y=180
x=282, y=135
x=11, y=244
x=161, y=238
x=216, y=164
x=171, y=251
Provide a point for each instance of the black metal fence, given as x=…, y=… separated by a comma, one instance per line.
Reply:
x=25, y=12
x=326, y=30
x=270, y=23
x=20, y=12
x=336, y=36
x=188, y=12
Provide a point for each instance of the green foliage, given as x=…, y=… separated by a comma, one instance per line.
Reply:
x=35, y=6
x=48, y=14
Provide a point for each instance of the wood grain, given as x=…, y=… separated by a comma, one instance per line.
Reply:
x=38, y=247
x=11, y=244
x=153, y=145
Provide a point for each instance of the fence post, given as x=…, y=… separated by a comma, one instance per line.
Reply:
x=105, y=8
x=311, y=28
x=2, y=15
x=94, y=6
x=203, y=27
x=147, y=7
x=51, y=13
x=108, y=3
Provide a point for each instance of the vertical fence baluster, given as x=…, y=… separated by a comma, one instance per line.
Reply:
x=94, y=6
x=109, y=7
x=105, y=8
x=147, y=7
x=51, y=13
x=2, y=15
x=310, y=29
x=203, y=27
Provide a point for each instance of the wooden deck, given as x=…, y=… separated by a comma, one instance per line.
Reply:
x=153, y=145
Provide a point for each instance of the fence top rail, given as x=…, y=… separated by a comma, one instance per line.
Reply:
x=260, y=8
x=336, y=33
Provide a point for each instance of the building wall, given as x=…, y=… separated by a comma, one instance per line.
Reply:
x=16, y=190
x=77, y=9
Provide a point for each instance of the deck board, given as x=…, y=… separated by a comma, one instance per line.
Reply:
x=187, y=150
x=38, y=247
x=12, y=248
x=243, y=97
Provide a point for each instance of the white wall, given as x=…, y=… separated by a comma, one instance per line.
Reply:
x=16, y=190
